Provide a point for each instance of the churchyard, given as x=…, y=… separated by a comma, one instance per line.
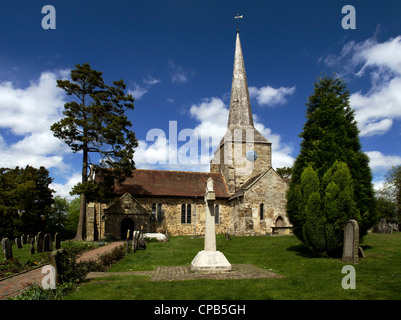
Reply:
x=303, y=275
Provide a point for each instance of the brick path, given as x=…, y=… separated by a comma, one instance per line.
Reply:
x=178, y=273
x=14, y=285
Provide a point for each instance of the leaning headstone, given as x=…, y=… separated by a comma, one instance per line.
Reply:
x=361, y=253
x=47, y=246
x=39, y=242
x=351, y=242
x=23, y=239
x=32, y=250
x=7, y=248
x=57, y=241
x=18, y=243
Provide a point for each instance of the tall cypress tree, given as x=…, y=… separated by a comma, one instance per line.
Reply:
x=330, y=133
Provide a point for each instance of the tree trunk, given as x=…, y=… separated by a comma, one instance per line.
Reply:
x=82, y=212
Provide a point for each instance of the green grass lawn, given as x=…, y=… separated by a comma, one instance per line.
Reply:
x=378, y=276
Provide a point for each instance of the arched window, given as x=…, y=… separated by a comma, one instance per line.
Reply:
x=183, y=213
x=153, y=211
x=216, y=214
x=159, y=213
x=188, y=213
x=261, y=211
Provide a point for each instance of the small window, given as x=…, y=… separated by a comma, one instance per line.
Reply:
x=153, y=211
x=216, y=214
x=188, y=213
x=261, y=211
x=159, y=213
x=183, y=213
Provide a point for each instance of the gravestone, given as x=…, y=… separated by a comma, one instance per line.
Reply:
x=351, y=242
x=135, y=239
x=23, y=239
x=7, y=248
x=28, y=239
x=56, y=260
x=32, y=250
x=227, y=236
x=382, y=226
x=47, y=243
x=57, y=242
x=39, y=242
x=18, y=243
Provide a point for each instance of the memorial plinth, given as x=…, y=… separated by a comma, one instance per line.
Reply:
x=209, y=259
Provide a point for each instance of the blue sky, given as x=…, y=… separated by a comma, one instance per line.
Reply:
x=176, y=58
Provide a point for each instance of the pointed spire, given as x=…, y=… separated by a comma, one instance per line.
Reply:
x=240, y=115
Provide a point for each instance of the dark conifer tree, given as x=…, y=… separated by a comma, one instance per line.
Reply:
x=330, y=133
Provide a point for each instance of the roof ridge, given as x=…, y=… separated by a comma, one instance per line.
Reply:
x=195, y=172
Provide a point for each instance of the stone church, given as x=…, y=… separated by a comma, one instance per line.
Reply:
x=250, y=194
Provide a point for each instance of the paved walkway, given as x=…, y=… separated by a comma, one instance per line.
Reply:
x=14, y=285
x=178, y=273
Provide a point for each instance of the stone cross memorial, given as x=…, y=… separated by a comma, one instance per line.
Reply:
x=209, y=259
x=351, y=242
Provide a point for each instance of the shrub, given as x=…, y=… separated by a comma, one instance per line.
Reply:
x=325, y=207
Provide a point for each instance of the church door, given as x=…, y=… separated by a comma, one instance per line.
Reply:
x=127, y=224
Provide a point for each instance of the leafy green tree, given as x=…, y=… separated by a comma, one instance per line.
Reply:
x=393, y=179
x=25, y=200
x=56, y=219
x=388, y=198
x=72, y=218
x=95, y=122
x=285, y=172
x=330, y=133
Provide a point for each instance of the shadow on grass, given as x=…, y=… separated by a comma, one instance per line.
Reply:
x=302, y=250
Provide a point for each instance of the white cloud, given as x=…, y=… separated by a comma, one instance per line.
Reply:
x=138, y=90
x=376, y=109
x=63, y=190
x=381, y=162
x=149, y=80
x=270, y=96
x=28, y=114
x=178, y=73
x=32, y=109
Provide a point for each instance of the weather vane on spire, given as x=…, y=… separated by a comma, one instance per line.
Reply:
x=237, y=17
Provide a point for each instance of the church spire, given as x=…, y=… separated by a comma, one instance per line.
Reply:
x=240, y=114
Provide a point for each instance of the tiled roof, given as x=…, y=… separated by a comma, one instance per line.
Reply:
x=162, y=183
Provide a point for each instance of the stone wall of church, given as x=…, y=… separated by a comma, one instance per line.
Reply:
x=270, y=191
x=171, y=213
x=170, y=223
